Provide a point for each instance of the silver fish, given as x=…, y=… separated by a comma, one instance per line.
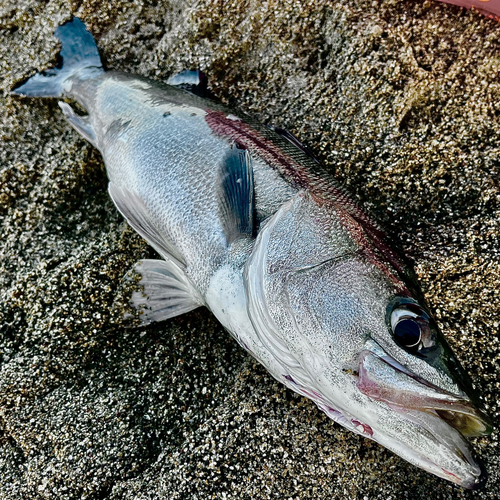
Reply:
x=249, y=225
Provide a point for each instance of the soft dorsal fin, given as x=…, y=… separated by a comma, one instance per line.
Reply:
x=137, y=215
x=236, y=194
x=168, y=292
x=195, y=82
x=293, y=140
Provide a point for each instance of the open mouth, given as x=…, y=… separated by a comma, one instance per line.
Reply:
x=436, y=411
x=387, y=381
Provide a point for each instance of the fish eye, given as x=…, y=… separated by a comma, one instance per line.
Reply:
x=407, y=334
x=411, y=327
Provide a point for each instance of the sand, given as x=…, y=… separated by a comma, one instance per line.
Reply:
x=399, y=99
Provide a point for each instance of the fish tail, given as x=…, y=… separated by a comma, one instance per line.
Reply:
x=79, y=55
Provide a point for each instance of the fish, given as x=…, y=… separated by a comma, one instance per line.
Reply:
x=249, y=224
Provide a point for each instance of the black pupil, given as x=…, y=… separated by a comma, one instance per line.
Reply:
x=407, y=333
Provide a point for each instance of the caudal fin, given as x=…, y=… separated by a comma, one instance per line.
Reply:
x=79, y=54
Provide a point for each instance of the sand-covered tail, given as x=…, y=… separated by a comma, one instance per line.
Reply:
x=248, y=224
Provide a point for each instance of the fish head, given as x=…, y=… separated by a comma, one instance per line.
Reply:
x=347, y=334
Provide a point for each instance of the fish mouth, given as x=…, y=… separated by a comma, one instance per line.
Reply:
x=437, y=412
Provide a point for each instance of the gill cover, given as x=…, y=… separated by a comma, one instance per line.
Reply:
x=300, y=253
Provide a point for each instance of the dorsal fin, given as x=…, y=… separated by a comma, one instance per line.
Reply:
x=193, y=81
x=291, y=138
x=236, y=194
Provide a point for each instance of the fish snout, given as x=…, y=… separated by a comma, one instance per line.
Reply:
x=385, y=380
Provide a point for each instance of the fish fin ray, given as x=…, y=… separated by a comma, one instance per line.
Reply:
x=131, y=206
x=194, y=82
x=167, y=291
x=236, y=197
x=78, y=55
x=296, y=142
x=79, y=123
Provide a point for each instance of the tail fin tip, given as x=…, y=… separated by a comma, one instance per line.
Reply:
x=79, y=51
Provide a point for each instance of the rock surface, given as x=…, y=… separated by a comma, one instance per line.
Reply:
x=400, y=99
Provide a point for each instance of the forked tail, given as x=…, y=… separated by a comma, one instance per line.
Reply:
x=79, y=54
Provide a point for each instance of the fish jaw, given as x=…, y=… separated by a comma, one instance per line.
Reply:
x=423, y=438
x=439, y=415
x=439, y=449
x=384, y=380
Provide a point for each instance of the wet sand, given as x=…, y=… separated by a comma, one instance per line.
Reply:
x=399, y=99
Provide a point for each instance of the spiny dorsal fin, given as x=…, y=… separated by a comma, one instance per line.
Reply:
x=292, y=139
x=236, y=195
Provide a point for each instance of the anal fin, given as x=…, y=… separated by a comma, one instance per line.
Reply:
x=167, y=293
x=137, y=215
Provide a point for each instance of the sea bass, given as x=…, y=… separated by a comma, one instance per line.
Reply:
x=248, y=224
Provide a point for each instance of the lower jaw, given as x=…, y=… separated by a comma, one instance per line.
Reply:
x=470, y=475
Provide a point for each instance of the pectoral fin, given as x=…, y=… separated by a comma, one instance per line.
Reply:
x=236, y=195
x=168, y=292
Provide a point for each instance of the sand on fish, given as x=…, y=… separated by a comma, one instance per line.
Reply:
x=399, y=99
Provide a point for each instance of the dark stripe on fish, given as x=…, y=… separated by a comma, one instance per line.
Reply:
x=320, y=185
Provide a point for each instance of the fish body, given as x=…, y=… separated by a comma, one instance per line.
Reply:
x=249, y=225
